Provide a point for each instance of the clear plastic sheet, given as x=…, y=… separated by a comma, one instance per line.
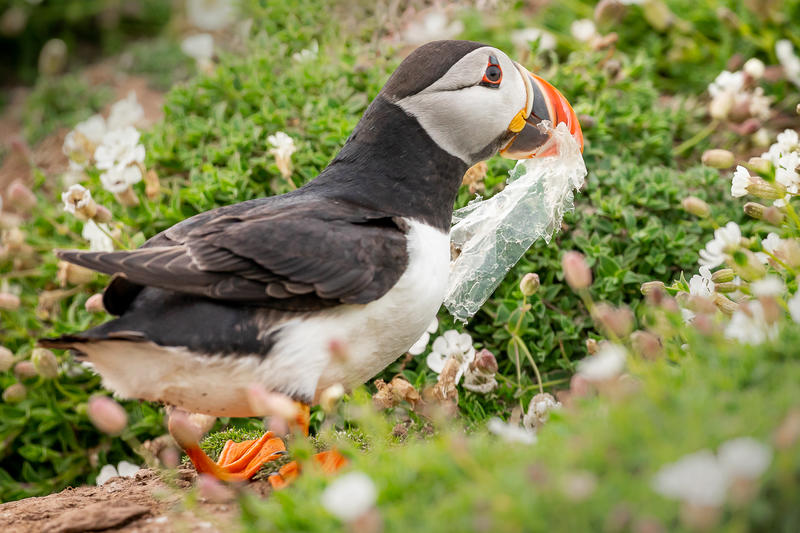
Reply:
x=492, y=235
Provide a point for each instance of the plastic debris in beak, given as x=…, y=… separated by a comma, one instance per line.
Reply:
x=492, y=235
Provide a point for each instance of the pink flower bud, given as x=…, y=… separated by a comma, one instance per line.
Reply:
x=169, y=457
x=6, y=359
x=766, y=190
x=9, y=301
x=609, y=12
x=20, y=195
x=529, y=284
x=723, y=275
x=576, y=271
x=485, y=361
x=718, y=158
x=650, y=287
x=579, y=386
x=271, y=403
x=788, y=432
x=614, y=321
x=338, y=351
x=696, y=206
x=646, y=344
x=25, y=370
x=95, y=304
x=185, y=433
x=69, y=274
x=759, y=165
x=14, y=393
x=45, y=363
x=102, y=214
x=212, y=490
x=107, y=415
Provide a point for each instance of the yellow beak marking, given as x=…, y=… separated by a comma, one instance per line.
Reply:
x=518, y=122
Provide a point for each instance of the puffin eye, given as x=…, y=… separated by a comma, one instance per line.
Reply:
x=493, y=74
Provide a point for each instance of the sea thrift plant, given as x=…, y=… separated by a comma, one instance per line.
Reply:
x=755, y=286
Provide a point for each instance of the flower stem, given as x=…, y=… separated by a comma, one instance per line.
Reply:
x=696, y=138
x=518, y=339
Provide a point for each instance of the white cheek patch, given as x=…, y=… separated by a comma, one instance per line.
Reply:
x=462, y=117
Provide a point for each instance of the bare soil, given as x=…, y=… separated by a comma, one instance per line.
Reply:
x=145, y=503
x=47, y=154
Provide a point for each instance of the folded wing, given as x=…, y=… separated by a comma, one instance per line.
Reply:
x=302, y=256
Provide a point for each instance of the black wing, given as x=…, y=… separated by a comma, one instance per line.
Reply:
x=298, y=255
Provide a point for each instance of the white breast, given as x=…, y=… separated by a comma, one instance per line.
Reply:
x=378, y=333
x=299, y=364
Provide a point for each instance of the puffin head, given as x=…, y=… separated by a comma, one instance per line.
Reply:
x=474, y=101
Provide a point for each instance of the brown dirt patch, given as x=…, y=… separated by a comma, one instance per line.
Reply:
x=145, y=503
x=47, y=155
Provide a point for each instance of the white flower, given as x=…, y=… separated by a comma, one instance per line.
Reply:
x=761, y=137
x=788, y=60
x=79, y=143
x=119, y=147
x=759, y=104
x=124, y=113
x=744, y=458
x=98, y=240
x=788, y=178
x=771, y=243
x=768, y=286
x=754, y=68
x=794, y=307
x=788, y=140
x=750, y=326
x=307, y=54
x=451, y=344
x=282, y=148
x=422, y=343
x=539, y=410
x=349, y=496
x=726, y=239
x=510, y=432
x=726, y=82
x=117, y=179
x=740, y=182
x=93, y=128
x=479, y=382
x=697, y=478
x=199, y=47
x=789, y=160
x=210, y=15
x=721, y=105
x=123, y=469
x=724, y=91
x=583, y=30
x=606, y=364
x=433, y=26
x=76, y=198
x=73, y=175
x=480, y=374
x=701, y=285
x=782, y=202
x=523, y=38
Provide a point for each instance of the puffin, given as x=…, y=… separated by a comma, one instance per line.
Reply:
x=263, y=291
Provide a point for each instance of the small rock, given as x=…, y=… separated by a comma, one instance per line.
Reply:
x=187, y=474
x=96, y=517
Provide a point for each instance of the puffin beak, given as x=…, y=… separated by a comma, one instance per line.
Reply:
x=543, y=102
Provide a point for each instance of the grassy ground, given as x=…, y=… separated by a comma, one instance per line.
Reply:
x=644, y=110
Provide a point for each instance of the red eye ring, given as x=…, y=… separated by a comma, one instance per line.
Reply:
x=493, y=74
